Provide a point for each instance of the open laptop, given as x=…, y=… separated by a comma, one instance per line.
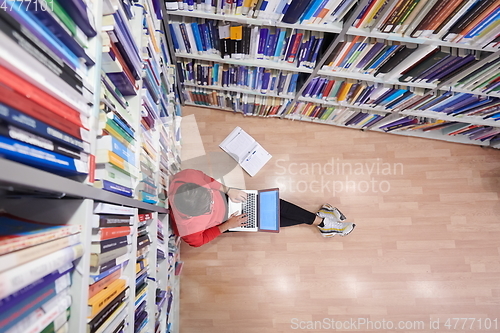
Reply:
x=262, y=208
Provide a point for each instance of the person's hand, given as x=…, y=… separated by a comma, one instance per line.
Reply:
x=234, y=221
x=237, y=195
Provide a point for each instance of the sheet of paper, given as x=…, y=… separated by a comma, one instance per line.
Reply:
x=257, y=159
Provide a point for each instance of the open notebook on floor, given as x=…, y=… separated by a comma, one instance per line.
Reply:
x=250, y=155
x=262, y=208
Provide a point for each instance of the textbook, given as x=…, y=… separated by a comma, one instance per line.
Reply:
x=249, y=154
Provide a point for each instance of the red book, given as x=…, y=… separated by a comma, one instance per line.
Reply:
x=365, y=13
x=328, y=88
x=295, y=47
x=122, y=62
x=26, y=105
x=109, y=233
x=145, y=217
x=40, y=97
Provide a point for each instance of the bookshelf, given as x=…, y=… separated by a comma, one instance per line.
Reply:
x=82, y=79
x=455, y=43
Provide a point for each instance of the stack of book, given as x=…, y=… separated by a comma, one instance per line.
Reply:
x=142, y=272
x=116, y=169
x=112, y=229
x=473, y=132
x=238, y=102
x=484, y=80
x=45, y=95
x=307, y=12
x=36, y=262
x=295, y=48
x=424, y=64
x=161, y=297
x=358, y=93
x=249, y=79
x=457, y=21
x=339, y=115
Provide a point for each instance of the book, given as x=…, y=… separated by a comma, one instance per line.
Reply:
x=24, y=293
x=18, y=233
x=249, y=154
x=37, y=320
x=16, y=258
x=108, y=311
x=97, y=259
x=105, y=208
x=113, y=221
x=21, y=276
x=17, y=312
x=104, y=246
x=100, y=285
x=104, y=297
x=109, y=232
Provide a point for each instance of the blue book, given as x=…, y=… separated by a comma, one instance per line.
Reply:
x=31, y=124
x=469, y=106
x=311, y=44
x=41, y=158
x=113, y=187
x=45, y=36
x=295, y=10
x=271, y=42
x=36, y=298
x=203, y=37
x=197, y=36
x=451, y=101
x=109, y=142
x=265, y=81
x=280, y=43
x=394, y=95
x=293, y=83
x=384, y=56
x=94, y=278
x=313, y=5
x=315, y=53
x=263, y=35
x=48, y=19
x=78, y=11
x=122, y=83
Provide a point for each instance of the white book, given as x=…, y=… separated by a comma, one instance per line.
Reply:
x=106, y=208
x=180, y=39
x=21, y=276
x=249, y=154
x=16, y=258
x=192, y=41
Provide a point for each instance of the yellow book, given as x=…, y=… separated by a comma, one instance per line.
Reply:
x=343, y=91
x=105, y=296
x=106, y=156
x=236, y=32
x=371, y=14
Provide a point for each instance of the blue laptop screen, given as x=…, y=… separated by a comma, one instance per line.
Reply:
x=269, y=210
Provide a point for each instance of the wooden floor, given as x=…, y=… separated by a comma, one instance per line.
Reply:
x=426, y=248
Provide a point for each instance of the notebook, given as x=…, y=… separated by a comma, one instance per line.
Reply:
x=245, y=150
x=262, y=208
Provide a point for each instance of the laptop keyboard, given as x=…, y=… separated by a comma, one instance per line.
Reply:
x=249, y=208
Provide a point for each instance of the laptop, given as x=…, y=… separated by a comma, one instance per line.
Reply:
x=262, y=208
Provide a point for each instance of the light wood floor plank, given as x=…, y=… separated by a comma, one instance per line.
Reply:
x=426, y=245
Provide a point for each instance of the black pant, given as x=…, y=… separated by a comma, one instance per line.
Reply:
x=291, y=214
